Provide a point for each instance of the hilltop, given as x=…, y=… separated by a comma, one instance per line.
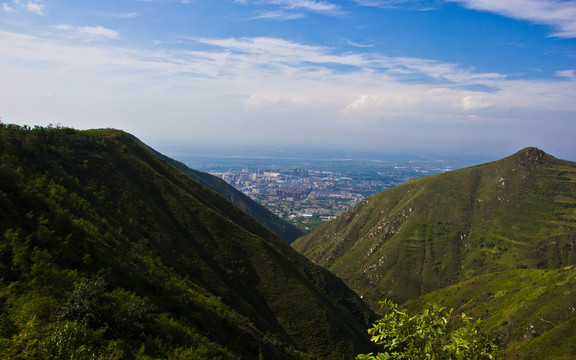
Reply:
x=108, y=251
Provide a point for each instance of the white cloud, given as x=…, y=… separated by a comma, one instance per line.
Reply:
x=436, y=70
x=320, y=6
x=420, y=5
x=559, y=14
x=228, y=89
x=381, y=105
x=278, y=15
x=305, y=5
x=383, y=3
x=274, y=103
x=358, y=45
x=123, y=15
x=97, y=32
x=570, y=74
x=286, y=75
x=35, y=7
x=7, y=7
x=470, y=103
x=88, y=33
x=422, y=102
x=273, y=52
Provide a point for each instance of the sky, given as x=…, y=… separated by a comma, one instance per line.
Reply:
x=452, y=76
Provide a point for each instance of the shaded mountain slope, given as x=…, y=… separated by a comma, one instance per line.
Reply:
x=264, y=216
x=432, y=232
x=108, y=251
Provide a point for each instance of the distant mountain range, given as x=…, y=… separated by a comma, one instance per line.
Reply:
x=496, y=240
x=110, y=252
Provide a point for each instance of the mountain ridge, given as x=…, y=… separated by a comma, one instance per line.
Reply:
x=495, y=240
x=467, y=221
x=102, y=239
x=264, y=216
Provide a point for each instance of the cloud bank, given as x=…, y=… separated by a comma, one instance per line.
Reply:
x=267, y=89
x=559, y=14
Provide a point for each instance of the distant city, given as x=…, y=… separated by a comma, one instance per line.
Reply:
x=309, y=197
x=310, y=191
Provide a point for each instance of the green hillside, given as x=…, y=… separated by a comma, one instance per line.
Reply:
x=109, y=252
x=496, y=241
x=531, y=312
x=264, y=216
x=432, y=232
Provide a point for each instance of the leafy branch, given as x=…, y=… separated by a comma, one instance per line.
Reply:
x=429, y=335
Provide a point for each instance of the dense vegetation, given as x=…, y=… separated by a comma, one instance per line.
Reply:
x=479, y=229
x=260, y=213
x=435, y=334
x=109, y=252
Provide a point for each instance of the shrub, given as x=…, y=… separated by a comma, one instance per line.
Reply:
x=430, y=335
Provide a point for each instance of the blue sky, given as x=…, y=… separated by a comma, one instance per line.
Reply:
x=453, y=76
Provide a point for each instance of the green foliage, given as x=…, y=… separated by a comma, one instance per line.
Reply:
x=121, y=314
x=60, y=340
x=105, y=243
x=428, y=335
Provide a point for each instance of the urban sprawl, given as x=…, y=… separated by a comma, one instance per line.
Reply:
x=309, y=197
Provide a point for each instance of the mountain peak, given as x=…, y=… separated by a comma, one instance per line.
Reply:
x=532, y=156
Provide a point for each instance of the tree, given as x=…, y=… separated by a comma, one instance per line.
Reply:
x=431, y=335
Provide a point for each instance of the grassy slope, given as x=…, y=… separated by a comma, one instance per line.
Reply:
x=531, y=312
x=264, y=216
x=496, y=241
x=519, y=212
x=77, y=204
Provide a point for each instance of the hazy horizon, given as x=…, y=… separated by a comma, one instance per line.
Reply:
x=205, y=157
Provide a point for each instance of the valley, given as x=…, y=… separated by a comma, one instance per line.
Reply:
x=110, y=248
x=309, y=188
x=288, y=180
